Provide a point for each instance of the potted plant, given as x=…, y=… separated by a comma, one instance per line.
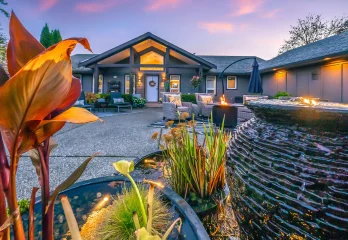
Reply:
x=29, y=126
x=139, y=102
x=196, y=81
x=166, y=85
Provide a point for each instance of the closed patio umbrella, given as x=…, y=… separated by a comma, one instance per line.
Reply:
x=255, y=85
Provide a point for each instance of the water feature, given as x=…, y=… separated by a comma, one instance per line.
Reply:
x=288, y=170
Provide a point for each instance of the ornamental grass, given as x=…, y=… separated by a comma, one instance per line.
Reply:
x=193, y=165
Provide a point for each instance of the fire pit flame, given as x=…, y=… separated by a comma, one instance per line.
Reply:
x=223, y=100
x=310, y=102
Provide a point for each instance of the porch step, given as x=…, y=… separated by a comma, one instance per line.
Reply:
x=154, y=104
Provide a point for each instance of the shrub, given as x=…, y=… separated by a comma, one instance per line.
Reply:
x=282, y=94
x=188, y=98
x=139, y=102
x=106, y=96
x=23, y=206
x=91, y=97
x=127, y=97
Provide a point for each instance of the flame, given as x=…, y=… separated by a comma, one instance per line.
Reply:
x=310, y=102
x=313, y=102
x=223, y=100
x=305, y=100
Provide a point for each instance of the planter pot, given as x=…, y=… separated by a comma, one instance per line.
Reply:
x=86, y=195
x=287, y=171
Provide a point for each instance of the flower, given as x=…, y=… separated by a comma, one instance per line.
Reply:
x=124, y=167
x=184, y=115
x=169, y=124
x=154, y=135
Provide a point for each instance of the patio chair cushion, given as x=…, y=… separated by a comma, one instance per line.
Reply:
x=206, y=99
x=79, y=103
x=183, y=109
x=176, y=99
x=118, y=100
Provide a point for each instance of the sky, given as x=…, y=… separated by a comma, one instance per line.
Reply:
x=205, y=27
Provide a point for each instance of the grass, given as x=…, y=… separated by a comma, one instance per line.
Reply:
x=116, y=221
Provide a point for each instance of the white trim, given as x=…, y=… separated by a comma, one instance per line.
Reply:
x=206, y=88
x=236, y=79
x=178, y=77
x=125, y=79
x=93, y=84
x=102, y=87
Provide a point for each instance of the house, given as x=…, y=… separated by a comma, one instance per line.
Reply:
x=142, y=64
x=319, y=70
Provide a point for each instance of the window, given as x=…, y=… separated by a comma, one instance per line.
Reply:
x=127, y=83
x=100, y=83
x=211, y=84
x=316, y=75
x=151, y=58
x=231, y=82
x=174, y=83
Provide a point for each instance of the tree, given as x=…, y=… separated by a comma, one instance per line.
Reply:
x=3, y=45
x=45, y=38
x=55, y=36
x=2, y=2
x=312, y=29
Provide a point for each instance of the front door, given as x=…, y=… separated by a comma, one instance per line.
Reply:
x=152, y=88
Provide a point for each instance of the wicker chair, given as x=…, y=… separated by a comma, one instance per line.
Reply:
x=170, y=110
x=204, y=109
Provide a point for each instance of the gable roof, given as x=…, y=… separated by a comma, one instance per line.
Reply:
x=139, y=39
x=329, y=47
x=242, y=67
x=77, y=58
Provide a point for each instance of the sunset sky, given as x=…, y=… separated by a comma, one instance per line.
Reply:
x=204, y=27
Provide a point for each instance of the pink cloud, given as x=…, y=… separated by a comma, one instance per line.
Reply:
x=44, y=5
x=270, y=14
x=247, y=6
x=216, y=27
x=97, y=6
x=155, y=5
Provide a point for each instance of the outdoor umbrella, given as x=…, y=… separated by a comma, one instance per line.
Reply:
x=255, y=85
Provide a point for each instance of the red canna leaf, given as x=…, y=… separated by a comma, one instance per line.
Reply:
x=35, y=91
x=71, y=98
x=22, y=46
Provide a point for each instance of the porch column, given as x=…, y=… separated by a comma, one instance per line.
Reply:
x=200, y=74
x=95, y=79
x=166, y=61
x=131, y=62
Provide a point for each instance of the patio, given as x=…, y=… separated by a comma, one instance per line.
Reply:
x=123, y=135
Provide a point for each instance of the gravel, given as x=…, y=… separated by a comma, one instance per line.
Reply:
x=122, y=136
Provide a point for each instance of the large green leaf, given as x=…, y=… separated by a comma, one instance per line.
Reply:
x=69, y=181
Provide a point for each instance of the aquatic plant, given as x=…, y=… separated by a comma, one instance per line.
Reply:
x=116, y=221
x=36, y=101
x=194, y=166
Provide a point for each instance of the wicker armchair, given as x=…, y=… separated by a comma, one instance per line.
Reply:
x=170, y=110
x=204, y=109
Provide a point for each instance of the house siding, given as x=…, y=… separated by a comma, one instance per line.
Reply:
x=331, y=83
x=87, y=82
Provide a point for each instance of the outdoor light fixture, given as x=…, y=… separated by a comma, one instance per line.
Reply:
x=327, y=58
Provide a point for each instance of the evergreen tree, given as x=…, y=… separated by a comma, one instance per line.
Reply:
x=55, y=36
x=2, y=2
x=45, y=38
x=3, y=45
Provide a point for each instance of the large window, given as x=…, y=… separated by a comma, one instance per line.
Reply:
x=100, y=83
x=211, y=84
x=151, y=58
x=231, y=82
x=174, y=83
x=127, y=84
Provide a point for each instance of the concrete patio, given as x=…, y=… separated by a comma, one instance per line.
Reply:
x=122, y=136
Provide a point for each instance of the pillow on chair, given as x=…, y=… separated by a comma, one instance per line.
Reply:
x=118, y=100
x=206, y=99
x=176, y=99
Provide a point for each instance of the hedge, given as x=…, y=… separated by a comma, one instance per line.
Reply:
x=188, y=98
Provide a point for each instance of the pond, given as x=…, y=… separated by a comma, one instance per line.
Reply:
x=92, y=195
